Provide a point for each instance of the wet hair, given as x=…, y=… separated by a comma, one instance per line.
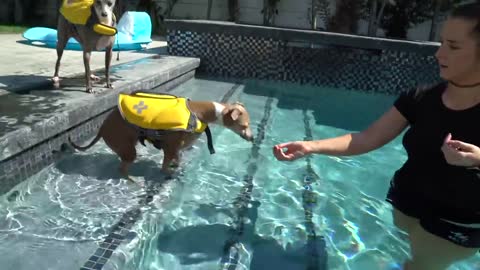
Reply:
x=470, y=12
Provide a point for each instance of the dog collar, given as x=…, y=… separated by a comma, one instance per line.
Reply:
x=218, y=112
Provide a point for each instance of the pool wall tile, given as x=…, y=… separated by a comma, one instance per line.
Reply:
x=305, y=57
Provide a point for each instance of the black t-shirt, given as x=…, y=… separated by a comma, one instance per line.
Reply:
x=452, y=191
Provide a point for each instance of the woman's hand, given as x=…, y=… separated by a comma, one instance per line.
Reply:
x=459, y=153
x=294, y=150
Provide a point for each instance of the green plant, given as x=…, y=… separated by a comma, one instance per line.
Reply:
x=346, y=16
x=321, y=10
x=373, y=11
x=404, y=14
x=233, y=10
x=156, y=12
x=12, y=29
x=154, y=9
x=169, y=9
x=269, y=11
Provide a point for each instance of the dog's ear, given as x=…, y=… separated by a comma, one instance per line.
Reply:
x=230, y=116
x=235, y=113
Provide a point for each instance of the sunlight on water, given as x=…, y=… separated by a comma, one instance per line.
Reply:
x=237, y=209
x=350, y=209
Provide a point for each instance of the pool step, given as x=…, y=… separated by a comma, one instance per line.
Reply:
x=31, y=135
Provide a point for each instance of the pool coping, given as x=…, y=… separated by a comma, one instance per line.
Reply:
x=290, y=35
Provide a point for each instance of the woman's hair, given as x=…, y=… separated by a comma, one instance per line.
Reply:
x=469, y=12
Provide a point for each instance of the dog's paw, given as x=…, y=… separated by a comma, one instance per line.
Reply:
x=65, y=148
x=56, y=82
x=140, y=183
x=167, y=173
x=94, y=78
x=109, y=86
x=90, y=90
x=134, y=181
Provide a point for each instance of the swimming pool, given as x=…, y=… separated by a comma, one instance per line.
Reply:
x=236, y=209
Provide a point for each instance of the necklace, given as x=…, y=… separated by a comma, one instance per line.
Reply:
x=465, y=86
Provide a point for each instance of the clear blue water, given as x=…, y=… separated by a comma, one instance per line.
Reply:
x=61, y=215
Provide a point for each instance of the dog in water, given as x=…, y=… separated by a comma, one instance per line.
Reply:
x=92, y=23
x=168, y=122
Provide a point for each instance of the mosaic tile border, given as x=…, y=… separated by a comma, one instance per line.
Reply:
x=243, y=202
x=293, y=35
x=19, y=167
x=305, y=57
x=317, y=257
x=120, y=232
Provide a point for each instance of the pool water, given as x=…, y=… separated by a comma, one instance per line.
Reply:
x=236, y=209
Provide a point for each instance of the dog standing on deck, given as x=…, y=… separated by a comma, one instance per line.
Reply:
x=82, y=20
x=168, y=122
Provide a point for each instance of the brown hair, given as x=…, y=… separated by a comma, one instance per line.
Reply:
x=469, y=12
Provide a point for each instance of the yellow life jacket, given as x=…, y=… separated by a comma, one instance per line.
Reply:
x=159, y=112
x=77, y=11
x=80, y=11
x=151, y=113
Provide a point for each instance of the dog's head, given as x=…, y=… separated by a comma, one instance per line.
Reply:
x=104, y=10
x=237, y=119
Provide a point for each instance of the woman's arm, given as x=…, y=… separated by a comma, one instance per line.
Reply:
x=379, y=133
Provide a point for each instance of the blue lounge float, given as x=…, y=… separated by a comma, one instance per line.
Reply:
x=134, y=33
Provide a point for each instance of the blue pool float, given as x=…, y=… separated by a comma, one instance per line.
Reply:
x=134, y=33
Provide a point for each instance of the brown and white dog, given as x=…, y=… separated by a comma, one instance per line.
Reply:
x=122, y=137
x=89, y=40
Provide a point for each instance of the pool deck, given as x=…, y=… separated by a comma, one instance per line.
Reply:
x=25, y=66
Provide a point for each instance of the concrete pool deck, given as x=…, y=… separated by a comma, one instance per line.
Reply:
x=25, y=66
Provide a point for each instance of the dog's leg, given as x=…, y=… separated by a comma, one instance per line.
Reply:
x=62, y=37
x=108, y=60
x=121, y=138
x=124, y=172
x=88, y=72
x=127, y=157
x=170, y=163
x=171, y=156
x=124, y=164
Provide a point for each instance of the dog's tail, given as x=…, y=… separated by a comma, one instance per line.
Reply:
x=83, y=148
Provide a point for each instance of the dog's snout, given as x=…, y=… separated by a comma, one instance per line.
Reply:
x=248, y=137
x=104, y=14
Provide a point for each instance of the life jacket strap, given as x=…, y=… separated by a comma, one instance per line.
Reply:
x=209, y=140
